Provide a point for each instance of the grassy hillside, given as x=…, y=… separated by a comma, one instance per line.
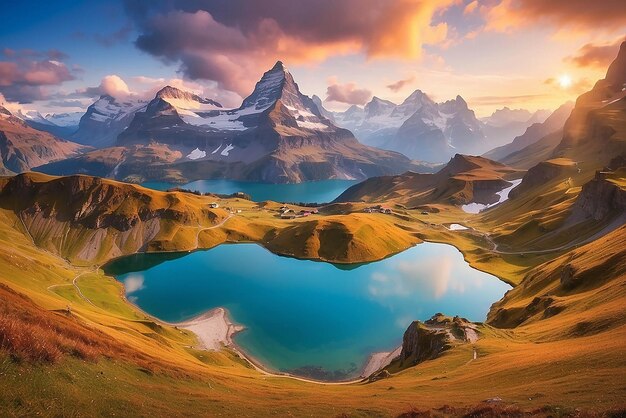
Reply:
x=464, y=179
x=138, y=366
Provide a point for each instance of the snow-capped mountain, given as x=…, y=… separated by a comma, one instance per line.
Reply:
x=104, y=120
x=418, y=127
x=426, y=130
x=63, y=125
x=506, y=115
x=277, y=134
x=190, y=107
x=320, y=106
x=69, y=119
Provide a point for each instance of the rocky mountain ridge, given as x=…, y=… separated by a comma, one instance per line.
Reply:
x=277, y=135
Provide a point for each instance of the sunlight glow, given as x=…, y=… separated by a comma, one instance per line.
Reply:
x=565, y=81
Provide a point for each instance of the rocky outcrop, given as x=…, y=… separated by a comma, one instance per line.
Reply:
x=428, y=340
x=544, y=173
x=599, y=199
x=594, y=131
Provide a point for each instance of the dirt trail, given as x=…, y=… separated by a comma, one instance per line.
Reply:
x=200, y=229
x=612, y=226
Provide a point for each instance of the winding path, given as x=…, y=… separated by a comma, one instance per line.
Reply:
x=75, y=284
x=567, y=246
x=200, y=229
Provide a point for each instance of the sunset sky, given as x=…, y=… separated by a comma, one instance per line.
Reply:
x=59, y=56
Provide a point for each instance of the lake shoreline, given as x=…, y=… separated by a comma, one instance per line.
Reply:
x=215, y=330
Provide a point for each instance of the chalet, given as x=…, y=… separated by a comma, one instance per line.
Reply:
x=214, y=205
x=378, y=209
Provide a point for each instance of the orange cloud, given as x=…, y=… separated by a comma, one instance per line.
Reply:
x=471, y=7
x=231, y=42
x=511, y=14
x=596, y=55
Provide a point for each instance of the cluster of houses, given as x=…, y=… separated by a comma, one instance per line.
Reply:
x=288, y=213
x=215, y=205
x=378, y=209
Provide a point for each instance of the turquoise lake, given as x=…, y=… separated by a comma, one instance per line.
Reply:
x=305, y=317
x=324, y=191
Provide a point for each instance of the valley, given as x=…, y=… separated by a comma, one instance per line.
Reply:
x=218, y=243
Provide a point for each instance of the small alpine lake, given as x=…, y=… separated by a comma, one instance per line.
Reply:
x=305, y=317
x=323, y=191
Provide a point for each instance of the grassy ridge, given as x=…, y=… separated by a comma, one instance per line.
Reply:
x=520, y=365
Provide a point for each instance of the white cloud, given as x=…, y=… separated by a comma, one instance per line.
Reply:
x=133, y=283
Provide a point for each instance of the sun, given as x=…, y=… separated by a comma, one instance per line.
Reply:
x=565, y=81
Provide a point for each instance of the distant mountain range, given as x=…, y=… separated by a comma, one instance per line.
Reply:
x=533, y=133
x=23, y=147
x=592, y=132
x=280, y=135
x=63, y=125
x=277, y=135
x=582, y=144
x=425, y=130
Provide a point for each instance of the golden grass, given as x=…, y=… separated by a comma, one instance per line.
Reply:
x=567, y=360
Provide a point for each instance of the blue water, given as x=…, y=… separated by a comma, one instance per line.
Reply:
x=309, y=192
x=306, y=317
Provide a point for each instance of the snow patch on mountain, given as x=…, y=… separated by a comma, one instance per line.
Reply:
x=196, y=154
x=225, y=152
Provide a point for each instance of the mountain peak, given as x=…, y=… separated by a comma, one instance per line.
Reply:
x=106, y=97
x=417, y=94
x=181, y=98
x=461, y=163
x=378, y=107
x=277, y=83
x=279, y=66
x=167, y=91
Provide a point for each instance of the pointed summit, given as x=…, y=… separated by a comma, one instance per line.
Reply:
x=269, y=89
x=276, y=85
x=416, y=101
x=379, y=107
x=279, y=66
